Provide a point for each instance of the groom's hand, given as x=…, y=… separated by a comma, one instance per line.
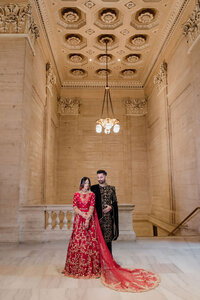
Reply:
x=107, y=209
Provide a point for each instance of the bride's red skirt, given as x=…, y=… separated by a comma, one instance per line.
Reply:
x=83, y=258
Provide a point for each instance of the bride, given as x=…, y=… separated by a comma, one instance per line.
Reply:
x=88, y=255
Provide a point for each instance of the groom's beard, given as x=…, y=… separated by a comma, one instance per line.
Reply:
x=101, y=181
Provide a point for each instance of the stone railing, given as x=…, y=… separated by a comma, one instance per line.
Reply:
x=54, y=222
x=59, y=217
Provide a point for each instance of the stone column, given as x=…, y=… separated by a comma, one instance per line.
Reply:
x=17, y=35
x=126, y=231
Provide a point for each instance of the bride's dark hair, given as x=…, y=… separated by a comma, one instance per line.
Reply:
x=83, y=180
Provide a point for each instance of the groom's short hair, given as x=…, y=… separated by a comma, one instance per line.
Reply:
x=102, y=172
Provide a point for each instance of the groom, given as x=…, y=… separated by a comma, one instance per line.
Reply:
x=107, y=208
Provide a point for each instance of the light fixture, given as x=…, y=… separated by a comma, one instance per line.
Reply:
x=107, y=122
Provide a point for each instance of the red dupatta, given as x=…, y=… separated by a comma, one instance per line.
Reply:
x=118, y=278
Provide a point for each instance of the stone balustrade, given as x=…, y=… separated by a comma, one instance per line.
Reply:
x=54, y=222
x=59, y=218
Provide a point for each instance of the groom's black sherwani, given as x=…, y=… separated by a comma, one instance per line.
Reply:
x=108, y=221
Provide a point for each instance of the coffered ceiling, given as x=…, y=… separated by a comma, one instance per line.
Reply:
x=137, y=31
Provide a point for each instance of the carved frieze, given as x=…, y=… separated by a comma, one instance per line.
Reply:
x=135, y=106
x=68, y=106
x=160, y=79
x=18, y=19
x=191, y=29
x=50, y=77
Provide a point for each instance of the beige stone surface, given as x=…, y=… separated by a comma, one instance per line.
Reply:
x=154, y=161
x=81, y=151
x=32, y=271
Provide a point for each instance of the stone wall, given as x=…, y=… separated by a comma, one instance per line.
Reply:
x=173, y=133
x=28, y=122
x=14, y=61
x=81, y=151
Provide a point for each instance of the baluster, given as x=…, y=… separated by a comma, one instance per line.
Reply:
x=49, y=221
x=72, y=218
x=65, y=221
x=57, y=227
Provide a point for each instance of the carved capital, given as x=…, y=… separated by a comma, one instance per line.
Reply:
x=51, y=78
x=160, y=79
x=191, y=29
x=135, y=107
x=68, y=106
x=18, y=19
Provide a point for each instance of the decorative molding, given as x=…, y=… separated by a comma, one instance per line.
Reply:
x=112, y=42
x=129, y=4
x=68, y=106
x=18, y=19
x=45, y=27
x=108, y=15
x=191, y=29
x=146, y=18
x=173, y=21
x=108, y=18
x=89, y=4
x=124, y=31
x=160, y=79
x=128, y=73
x=101, y=84
x=71, y=18
x=89, y=31
x=135, y=107
x=179, y=7
x=77, y=72
x=75, y=41
x=138, y=42
x=50, y=77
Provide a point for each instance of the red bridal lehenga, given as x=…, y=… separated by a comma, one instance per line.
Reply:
x=89, y=257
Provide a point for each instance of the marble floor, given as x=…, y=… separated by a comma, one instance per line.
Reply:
x=32, y=271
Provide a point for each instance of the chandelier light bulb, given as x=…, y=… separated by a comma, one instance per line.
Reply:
x=107, y=131
x=108, y=125
x=116, y=128
x=98, y=128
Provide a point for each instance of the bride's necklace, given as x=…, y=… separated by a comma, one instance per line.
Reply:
x=84, y=199
x=83, y=192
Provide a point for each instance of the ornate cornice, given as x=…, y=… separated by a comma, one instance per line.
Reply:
x=160, y=79
x=101, y=84
x=46, y=28
x=68, y=106
x=50, y=77
x=136, y=106
x=191, y=29
x=18, y=19
x=176, y=14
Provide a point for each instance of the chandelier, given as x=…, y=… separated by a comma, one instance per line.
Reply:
x=107, y=120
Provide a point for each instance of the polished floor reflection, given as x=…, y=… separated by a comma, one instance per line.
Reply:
x=32, y=271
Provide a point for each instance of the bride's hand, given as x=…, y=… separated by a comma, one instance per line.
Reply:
x=83, y=215
x=87, y=223
x=88, y=217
